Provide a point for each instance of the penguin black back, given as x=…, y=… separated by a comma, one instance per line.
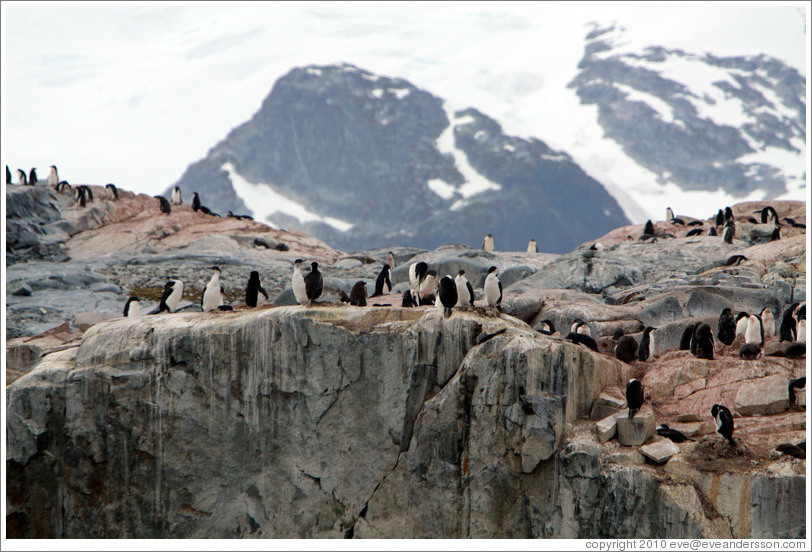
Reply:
x=694, y=232
x=195, y=201
x=583, y=339
x=750, y=351
x=32, y=177
x=720, y=218
x=626, y=349
x=674, y=435
x=383, y=284
x=8, y=175
x=358, y=294
x=113, y=190
x=687, y=337
x=634, y=396
x=799, y=383
x=648, y=229
x=447, y=290
x=164, y=203
x=253, y=289
x=644, y=349
x=704, y=342
x=314, y=283
x=727, y=327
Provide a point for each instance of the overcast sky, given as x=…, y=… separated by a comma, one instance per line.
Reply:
x=133, y=93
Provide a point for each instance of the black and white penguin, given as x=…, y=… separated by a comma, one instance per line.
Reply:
x=390, y=260
x=727, y=327
x=427, y=290
x=164, y=203
x=176, y=200
x=253, y=289
x=735, y=260
x=669, y=214
x=212, y=296
x=493, y=288
x=720, y=218
x=132, y=307
x=195, y=201
x=676, y=436
x=703, y=342
x=776, y=235
x=112, y=189
x=796, y=388
x=173, y=291
x=88, y=191
x=53, y=177
x=801, y=331
x=768, y=322
x=583, y=339
x=695, y=223
x=796, y=451
x=417, y=271
x=465, y=293
x=648, y=230
x=447, y=290
x=8, y=176
x=32, y=177
x=724, y=422
x=298, y=282
x=754, y=333
x=409, y=299
x=730, y=232
x=741, y=323
x=768, y=214
x=634, y=396
x=81, y=196
x=314, y=283
x=383, y=285
x=728, y=214
x=358, y=294
x=22, y=180
x=678, y=221
x=712, y=231
x=750, y=351
x=532, y=247
x=626, y=349
x=694, y=232
x=688, y=337
x=487, y=243
x=579, y=326
x=646, y=348
x=547, y=328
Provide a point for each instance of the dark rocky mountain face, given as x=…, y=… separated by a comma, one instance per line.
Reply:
x=675, y=127
x=389, y=159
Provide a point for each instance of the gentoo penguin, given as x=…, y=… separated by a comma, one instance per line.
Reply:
x=22, y=180
x=729, y=233
x=694, y=232
x=741, y=323
x=165, y=206
x=750, y=351
x=314, y=283
x=390, y=260
x=409, y=299
x=358, y=294
x=112, y=189
x=768, y=214
x=796, y=387
x=754, y=333
x=173, y=290
x=487, y=243
x=493, y=288
x=53, y=177
x=132, y=307
x=447, y=290
x=383, y=284
x=532, y=247
x=417, y=271
x=767, y=322
x=712, y=231
x=253, y=289
x=212, y=296
x=176, y=200
x=32, y=177
x=724, y=422
x=8, y=176
x=728, y=214
x=704, y=342
x=720, y=218
x=583, y=339
x=195, y=201
x=428, y=288
x=673, y=434
x=547, y=328
x=626, y=349
x=298, y=282
x=669, y=214
x=646, y=348
x=727, y=327
x=688, y=337
x=634, y=396
x=465, y=293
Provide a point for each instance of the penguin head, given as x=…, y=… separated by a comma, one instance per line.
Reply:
x=461, y=273
x=314, y=266
x=715, y=410
x=254, y=275
x=297, y=263
x=215, y=268
x=742, y=315
x=386, y=266
x=493, y=270
x=727, y=311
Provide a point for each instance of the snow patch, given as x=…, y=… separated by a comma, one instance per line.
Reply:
x=314, y=71
x=662, y=108
x=441, y=188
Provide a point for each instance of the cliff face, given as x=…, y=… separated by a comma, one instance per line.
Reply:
x=340, y=421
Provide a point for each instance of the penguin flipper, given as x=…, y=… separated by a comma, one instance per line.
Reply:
x=470, y=293
x=263, y=292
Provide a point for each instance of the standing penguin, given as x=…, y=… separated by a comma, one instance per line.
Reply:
x=32, y=177
x=8, y=176
x=688, y=338
x=493, y=288
x=358, y=294
x=383, y=284
x=741, y=323
x=22, y=180
x=646, y=348
x=720, y=218
x=253, y=289
x=417, y=271
x=768, y=214
x=176, y=200
x=465, y=293
x=212, y=296
x=648, y=230
x=410, y=299
x=634, y=396
x=768, y=322
x=112, y=189
x=428, y=288
x=447, y=291
x=728, y=214
x=487, y=243
x=196, y=202
x=164, y=204
x=727, y=327
x=724, y=422
x=298, y=282
x=132, y=307
x=754, y=334
x=53, y=177
x=669, y=214
x=170, y=300
x=796, y=387
x=730, y=231
x=390, y=260
x=314, y=283
x=532, y=247
x=703, y=346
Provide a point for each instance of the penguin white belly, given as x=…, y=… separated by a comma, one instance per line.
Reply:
x=299, y=287
x=212, y=297
x=753, y=332
x=462, y=293
x=174, y=298
x=491, y=290
x=741, y=326
x=134, y=309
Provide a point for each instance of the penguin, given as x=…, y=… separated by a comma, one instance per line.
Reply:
x=735, y=260
x=673, y=434
x=579, y=326
x=176, y=200
x=87, y=191
x=729, y=233
x=724, y=422
x=487, y=243
x=212, y=296
x=712, y=231
x=768, y=214
x=195, y=202
x=409, y=299
x=687, y=337
x=648, y=230
x=173, y=291
x=634, y=396
x=207, y=211
x=597, y=247
x=532, y=247
x=32, y=177
x=669, y=214
x=776, y=235
x=728, y=214
x=704, y=342
x=695, y=223
x=165, y=206
x=741, y=323
x=113, y=190
x=383, y=285
x=750, y=351
x=390, y=260
x=796, y=387
x=694, y=232
x=754, y=333
x=547, y=328
x=493, y=288
x=22, y=180
x=132, y=307
x=417, y=271
x=81, y=196
x=358, y=294
x=795, y=451
x=53, y=177
x=447, y=291
x=626, y=349
x=428, y=288
x=314, y=283
x=582, y=339
x=298, y=282
x=801, y=332
x=465, y=293
x=767, y=322
x=253, y=289
x=8, y=176
x=727, y=327
x=646, y=350
x=678, y=221
x=720, y=218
